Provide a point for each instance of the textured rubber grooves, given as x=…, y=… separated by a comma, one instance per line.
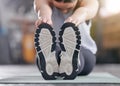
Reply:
x=45, y=46
x=70, y=41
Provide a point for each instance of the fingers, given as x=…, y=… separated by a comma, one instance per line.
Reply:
x=43, y=20
x=68, y=20
x=49, y=21
x=37, y=23
x=75, y=21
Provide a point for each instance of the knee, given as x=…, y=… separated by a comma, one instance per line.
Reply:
x=86, y=70
x=89, y=66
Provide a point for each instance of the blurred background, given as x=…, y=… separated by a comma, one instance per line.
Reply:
x=17, y=28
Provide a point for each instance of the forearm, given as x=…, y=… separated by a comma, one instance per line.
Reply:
x=44, y=12
x=42, y=7
x=87, y=10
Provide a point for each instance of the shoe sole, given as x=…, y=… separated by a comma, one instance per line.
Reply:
x=70, y=45
x=45, y=47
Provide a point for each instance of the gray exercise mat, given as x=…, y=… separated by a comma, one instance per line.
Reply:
x=93, y=78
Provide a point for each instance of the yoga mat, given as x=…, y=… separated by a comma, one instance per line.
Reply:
x=93, y=78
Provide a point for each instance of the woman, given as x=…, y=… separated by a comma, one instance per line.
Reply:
x=78, y=12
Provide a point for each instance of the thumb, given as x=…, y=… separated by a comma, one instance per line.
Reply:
x=68, y=20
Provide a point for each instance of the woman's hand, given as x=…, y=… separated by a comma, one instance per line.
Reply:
x=44, y=12
x=87, y=10
x=77, y=17
x=44, y=19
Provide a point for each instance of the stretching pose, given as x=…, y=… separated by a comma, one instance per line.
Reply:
x=63, y=42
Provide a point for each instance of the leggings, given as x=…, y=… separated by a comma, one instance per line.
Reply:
x=87, y=60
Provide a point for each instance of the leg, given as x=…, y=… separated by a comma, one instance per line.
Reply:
x=88, y=61
x=82, y=62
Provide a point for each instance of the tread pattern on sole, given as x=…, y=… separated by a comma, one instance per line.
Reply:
x=76, y=51
x=40, y=61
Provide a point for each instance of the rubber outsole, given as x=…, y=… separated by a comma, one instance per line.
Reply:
x=74, y=62
x=41, y=60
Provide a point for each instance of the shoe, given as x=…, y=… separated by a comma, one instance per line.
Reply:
x=70, y=41
x=45, y=46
